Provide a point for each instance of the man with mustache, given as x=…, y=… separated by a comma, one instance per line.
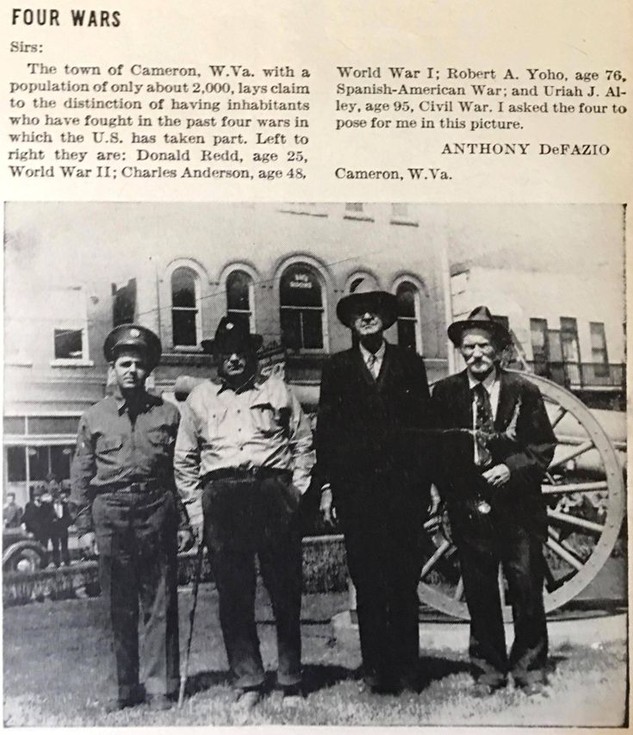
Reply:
x=243, y=460
x=490, y=477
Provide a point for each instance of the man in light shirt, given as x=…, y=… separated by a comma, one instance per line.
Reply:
x=374, y=415
x=490, y=477
x=242, y=461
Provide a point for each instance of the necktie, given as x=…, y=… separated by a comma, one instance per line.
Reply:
x=372, y=361
x=482, y=421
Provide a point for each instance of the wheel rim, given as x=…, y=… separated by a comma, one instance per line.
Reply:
x=585, y=495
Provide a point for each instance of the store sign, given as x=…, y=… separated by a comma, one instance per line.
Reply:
x=301, y=280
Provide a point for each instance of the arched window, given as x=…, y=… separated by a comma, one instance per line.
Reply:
x=184, y=307
x=239, y=297
x=301, y=308
x=408, y=298
x=355, y=280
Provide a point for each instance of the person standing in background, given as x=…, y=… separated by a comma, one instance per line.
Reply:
x=12, y=512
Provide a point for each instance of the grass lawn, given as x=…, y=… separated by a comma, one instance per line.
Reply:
x=57, y=654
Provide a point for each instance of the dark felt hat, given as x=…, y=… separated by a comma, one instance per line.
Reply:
x=136, y=337
x=479, y=318
x=232, y=336
x=368, y=298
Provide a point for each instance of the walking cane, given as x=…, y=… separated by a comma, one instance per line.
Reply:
x=192, y=615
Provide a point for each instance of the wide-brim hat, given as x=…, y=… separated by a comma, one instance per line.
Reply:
x=136, y=337
x=479, y=318
x=232, y=336
x=367, y=298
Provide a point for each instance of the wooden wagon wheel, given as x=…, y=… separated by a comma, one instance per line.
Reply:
x=585, y=495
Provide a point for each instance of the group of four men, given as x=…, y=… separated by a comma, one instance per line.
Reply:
x=237, y=462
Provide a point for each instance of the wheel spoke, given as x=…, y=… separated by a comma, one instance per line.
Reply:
x=572, y=453
x=550, y=582
x=437, y=555
x=580, y=487
x=575, y=521
x=558, y=415
x=564, y=554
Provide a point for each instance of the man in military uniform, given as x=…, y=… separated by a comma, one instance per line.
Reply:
x=243, y=459
x=123, y=489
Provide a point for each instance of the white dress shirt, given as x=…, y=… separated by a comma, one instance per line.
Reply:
x=492, y=385
x=373, y=357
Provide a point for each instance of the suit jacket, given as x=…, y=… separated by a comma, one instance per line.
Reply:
x=524, y=441
x=367, y=426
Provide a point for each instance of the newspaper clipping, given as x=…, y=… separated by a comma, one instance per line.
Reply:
x=314, y=363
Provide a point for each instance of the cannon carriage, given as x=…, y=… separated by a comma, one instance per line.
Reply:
x=585, y=494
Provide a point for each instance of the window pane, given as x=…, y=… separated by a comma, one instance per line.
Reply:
x=16, y=464
x=569, y=339
x=183, y=289
x=60, y=462
x=290, y=329
x=598, y=339
x=53, y=424
x=312, y=330
x=38, y=463
x=405, y=294
x=184, y=328
x=406, y=333
x=14, y=425
x=68, y=344
x=538, y=335
x=355, y=284
x=237, y=291
x=300, y=286
x=123, y=303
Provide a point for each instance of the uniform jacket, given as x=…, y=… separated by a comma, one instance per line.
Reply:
x=524, y=441
x=112, y=451
x=366, y=426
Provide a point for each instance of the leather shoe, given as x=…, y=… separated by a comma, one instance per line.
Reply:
x=248, y=699
x=533, y=688
x=116, y=705
x=159, y=702
x=481, y=690
x=293, y=696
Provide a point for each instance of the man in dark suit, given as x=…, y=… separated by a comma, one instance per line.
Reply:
x=61, y=522
x=490, y=477
x=375, y=477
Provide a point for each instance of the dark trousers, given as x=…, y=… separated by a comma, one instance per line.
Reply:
x=137, y=541
x=245, y=518
x=43, y=537
x=382, y=521
x=59, y=542
x=482, y=547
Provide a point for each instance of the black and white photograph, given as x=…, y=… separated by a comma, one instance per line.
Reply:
x=314, y=464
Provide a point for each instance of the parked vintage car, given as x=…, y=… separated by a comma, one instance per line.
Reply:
x=21, y=552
